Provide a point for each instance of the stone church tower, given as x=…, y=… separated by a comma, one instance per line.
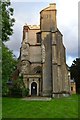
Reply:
x=42, y=56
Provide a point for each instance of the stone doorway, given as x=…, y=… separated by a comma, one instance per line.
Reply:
x=34, y=89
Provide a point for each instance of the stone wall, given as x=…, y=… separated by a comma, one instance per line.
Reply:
x=48, y=56
x=35, y=54
x=46, y=66
x=32, y=36
x=48, y=18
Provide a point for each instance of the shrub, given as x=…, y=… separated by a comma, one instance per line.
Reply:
x=19, y=89
x=16, y=91
x=5, y=91
x=25, y=92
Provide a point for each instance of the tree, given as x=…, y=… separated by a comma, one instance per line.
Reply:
x=7, y=20
x=18, y=88
x=8, y=66
x=8, y=60
x=75, y=73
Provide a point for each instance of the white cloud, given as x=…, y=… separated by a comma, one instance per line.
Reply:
x=70, y=60
x=67, y=19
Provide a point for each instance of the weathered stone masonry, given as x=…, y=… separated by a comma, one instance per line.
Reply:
x=43, y=62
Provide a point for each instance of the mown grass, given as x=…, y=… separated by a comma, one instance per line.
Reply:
x=56, y=108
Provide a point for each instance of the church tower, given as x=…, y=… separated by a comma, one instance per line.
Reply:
x=43, y=61
x=47, y=25
x=54, y=69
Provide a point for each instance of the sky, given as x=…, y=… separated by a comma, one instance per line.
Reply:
x=28, y=12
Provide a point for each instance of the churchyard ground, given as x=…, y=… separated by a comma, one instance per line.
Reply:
x=56, y=108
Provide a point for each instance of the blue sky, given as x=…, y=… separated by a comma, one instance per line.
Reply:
x=67, y=22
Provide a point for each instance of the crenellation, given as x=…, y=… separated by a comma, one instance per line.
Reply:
x=34, y=26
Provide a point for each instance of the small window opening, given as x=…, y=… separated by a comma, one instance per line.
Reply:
x=71, y=88
x=38, y=37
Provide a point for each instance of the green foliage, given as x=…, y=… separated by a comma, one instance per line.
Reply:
x=75, y=73
x=7, y=20
x=19, y=89
x=5, y=89
x=8, y=66
x=8, y=60
x=75, y=69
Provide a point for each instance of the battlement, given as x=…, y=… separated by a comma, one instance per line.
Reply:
x=33, y=26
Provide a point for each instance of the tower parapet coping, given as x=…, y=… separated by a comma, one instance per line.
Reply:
x=26, y=26
x=34, y=26
x=53, y=5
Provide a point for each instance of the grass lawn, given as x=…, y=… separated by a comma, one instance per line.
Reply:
x=56, y=108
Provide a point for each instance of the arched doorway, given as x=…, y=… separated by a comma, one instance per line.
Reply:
x=34, y=89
